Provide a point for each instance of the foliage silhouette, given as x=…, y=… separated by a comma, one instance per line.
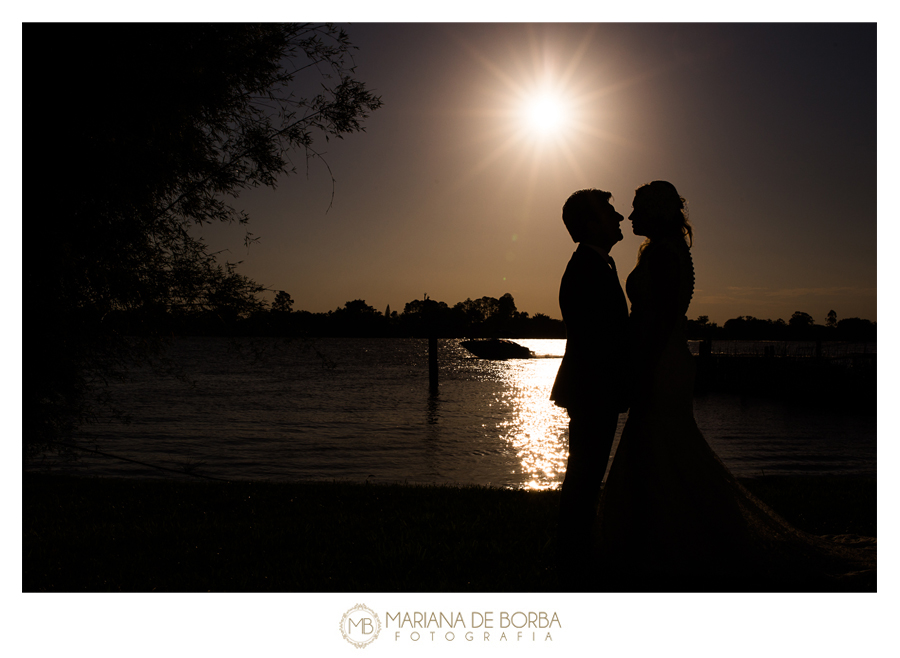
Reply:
x=282, y=303
x=481, y=318
x=162, y=124
x=800, y=327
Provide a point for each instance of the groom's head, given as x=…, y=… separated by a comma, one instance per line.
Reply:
x=589, y=217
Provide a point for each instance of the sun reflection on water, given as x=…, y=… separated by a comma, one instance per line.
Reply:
x=536, y=428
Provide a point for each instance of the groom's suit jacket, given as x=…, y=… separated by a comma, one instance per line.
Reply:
x=592, y=376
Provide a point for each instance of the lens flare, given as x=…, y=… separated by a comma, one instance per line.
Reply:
x=545, y=114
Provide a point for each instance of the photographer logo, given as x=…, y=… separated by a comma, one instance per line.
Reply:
x=360, y=626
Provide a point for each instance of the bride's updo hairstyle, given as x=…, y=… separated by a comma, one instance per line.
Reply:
x=668, y=208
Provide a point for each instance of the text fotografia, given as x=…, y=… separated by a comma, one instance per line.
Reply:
x=482, y=626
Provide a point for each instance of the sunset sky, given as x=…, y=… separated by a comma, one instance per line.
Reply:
x=769, y=131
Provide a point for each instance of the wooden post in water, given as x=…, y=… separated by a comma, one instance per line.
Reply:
x=432, y=364
x=430, y=318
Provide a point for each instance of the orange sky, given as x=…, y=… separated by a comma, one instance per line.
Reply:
x=768, y=130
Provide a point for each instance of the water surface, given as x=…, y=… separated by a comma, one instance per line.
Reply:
x=287, y=416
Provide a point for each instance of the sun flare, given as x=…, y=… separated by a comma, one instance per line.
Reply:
x=540, y=111
x=545, y=114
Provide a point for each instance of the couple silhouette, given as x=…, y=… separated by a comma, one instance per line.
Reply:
x=671, y=516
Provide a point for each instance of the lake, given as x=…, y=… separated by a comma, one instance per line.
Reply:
x=361, y=409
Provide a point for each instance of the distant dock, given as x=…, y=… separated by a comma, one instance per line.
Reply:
x=842, y=375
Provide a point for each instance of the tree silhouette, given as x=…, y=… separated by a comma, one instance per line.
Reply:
x=356, y=318
x=506, y=307
x=146, y=133
x=801, y=320
x=856, y=329
x=282, y=303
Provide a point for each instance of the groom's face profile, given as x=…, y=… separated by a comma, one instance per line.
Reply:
x=605, y=229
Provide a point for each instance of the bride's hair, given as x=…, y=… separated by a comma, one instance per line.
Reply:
x=669, y=206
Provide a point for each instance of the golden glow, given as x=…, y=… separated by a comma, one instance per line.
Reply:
x=545, y=114
x=537, y=429
x=539, y=115
x=534, y=426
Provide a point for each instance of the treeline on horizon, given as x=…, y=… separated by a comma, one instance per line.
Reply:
x=486, y=317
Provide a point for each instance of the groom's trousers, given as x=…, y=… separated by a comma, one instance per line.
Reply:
x=591, y=435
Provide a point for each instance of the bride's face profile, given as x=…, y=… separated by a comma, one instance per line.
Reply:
x=642, y=220
x=659, y=212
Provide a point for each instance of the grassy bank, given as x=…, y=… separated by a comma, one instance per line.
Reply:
x=93, y=534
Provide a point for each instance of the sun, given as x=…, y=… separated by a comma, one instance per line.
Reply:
x=544, y=114
x=538, y=109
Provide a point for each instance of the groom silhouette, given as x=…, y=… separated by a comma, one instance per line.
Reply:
x=591, y=380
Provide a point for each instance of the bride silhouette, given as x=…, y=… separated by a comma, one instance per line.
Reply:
x=671, y=516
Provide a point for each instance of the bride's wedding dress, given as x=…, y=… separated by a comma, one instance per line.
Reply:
x=672, y=516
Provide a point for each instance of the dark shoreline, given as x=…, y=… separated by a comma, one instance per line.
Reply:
x=87, y=534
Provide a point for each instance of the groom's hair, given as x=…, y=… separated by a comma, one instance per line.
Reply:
x=580, y=207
